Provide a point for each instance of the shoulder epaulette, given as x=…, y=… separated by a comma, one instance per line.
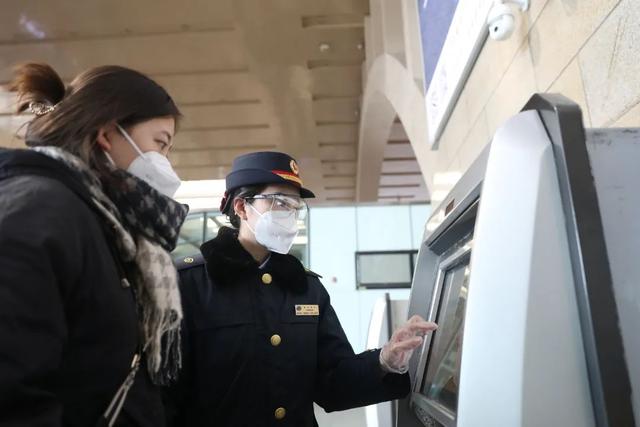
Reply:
x=189, y=261
x=311, y=273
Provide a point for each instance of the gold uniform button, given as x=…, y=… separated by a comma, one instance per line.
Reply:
x=267, y=279
x=189, y=260
x=280, y=413
x=276, y=340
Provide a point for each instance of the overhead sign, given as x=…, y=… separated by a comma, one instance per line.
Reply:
x=466, y=35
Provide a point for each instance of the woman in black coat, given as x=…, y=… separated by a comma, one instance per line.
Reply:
x=261, y=340
x=87, y=288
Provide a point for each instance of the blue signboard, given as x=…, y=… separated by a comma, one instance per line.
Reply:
x=435, y=20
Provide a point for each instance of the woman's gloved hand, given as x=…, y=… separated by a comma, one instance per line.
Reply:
x=395, y=354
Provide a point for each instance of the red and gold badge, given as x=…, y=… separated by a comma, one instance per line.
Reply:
x=294, y=167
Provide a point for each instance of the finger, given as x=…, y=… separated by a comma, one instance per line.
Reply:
x=401, y=348
x=415, y=318
x=422, y=326
x=403, y=333
x=411, y=330
x=405, y=345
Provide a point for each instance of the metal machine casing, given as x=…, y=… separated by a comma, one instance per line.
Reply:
x=540, y=341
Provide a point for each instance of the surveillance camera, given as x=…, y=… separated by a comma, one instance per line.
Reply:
x=501, y=22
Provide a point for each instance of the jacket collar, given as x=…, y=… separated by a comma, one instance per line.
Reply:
x=227, y=261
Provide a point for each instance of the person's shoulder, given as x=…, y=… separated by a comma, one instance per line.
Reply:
x=195, y=285
x=188, y=262
x=49, y=197
x=34, y=187
x=315, y=284
x=312, y=274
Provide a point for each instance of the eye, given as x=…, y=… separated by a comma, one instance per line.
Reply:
x=163, y=144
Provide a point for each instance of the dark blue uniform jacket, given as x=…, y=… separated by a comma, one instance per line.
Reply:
x=262, y=344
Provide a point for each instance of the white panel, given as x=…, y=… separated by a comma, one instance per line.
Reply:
x=614, y=156
x=419, y=215
x=332, y=243
x=522, y=339
x=383, y=228
x=332, y=246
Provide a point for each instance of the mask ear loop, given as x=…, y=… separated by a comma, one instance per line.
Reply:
x=256, y=211
x=108, y=156
x=130, y=141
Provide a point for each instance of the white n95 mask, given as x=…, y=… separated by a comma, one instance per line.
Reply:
x=154, y=168
x=276, y=230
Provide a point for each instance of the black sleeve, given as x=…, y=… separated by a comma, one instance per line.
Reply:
x=39, y=256
x=346, y=380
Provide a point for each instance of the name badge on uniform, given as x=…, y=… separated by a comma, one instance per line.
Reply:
x=307, y=310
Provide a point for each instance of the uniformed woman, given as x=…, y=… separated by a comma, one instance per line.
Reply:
x=261, y=341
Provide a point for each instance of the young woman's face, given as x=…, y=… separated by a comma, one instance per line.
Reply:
x=259, y=206
x=151, y=135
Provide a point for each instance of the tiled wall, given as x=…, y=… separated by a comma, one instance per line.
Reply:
x=588, y=50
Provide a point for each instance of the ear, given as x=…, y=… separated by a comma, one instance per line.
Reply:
x=103, y=137
x=239, y=207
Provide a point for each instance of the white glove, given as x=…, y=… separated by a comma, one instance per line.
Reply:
x=395, y=354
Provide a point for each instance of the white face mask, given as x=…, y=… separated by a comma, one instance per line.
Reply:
x=152, y=167
x=275, y=230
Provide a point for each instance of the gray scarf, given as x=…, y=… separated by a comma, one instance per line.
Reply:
x=146, y=225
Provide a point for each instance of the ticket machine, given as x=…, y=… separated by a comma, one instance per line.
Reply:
x=531, y=268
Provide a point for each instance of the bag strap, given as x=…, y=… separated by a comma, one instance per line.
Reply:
x=115, y=406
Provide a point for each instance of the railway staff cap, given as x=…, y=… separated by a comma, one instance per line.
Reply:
x=263, y=167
